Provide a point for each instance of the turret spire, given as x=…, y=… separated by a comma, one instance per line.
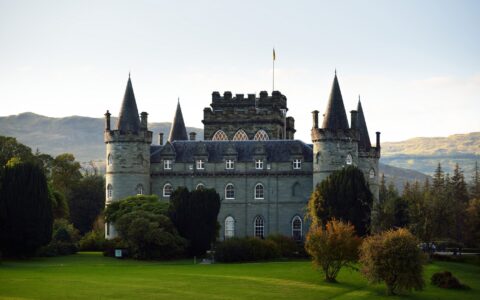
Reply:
x=364, y=143
x=128, y=119
x=178, y=132
x=335, y=116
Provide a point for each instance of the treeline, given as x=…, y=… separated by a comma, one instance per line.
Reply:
x=46, y=203
x=444, y=210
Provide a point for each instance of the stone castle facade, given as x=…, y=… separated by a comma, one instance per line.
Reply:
x=249, y=156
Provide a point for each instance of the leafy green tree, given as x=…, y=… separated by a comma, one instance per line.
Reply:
x=150, y=203
x=472, y=223
x=420, y=210
x=65, y=173
x=343, y=195
x=60, y=207
x=392, y=211
x=10, y=148
x=195, y=216
x=25, y=210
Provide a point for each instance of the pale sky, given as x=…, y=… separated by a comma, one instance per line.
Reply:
x=416, y=64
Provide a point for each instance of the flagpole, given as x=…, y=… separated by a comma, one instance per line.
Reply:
x=273, y=73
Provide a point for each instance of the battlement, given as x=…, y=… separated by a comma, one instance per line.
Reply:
x=276, y=100
x=143, y=136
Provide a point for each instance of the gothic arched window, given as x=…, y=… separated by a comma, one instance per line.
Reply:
x=349, y=159
x=259, y=191
x=371, y=174
x=110, y=159
x=229, y=227
x=229, y=191
x=297, y=228
x=259, y=227
x=240, y=135
x=139, y=189
x=261, y=135
x=109, y=191
x=219, y=136
x=167, y=190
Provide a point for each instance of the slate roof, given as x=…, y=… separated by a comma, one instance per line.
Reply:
x=364, y=142
x=178, y=132
x=335, y=116
x=128, y=119
x=245, y=151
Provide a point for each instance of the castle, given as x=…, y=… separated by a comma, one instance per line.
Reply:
x=249, y=156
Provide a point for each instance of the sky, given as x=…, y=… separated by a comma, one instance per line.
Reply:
x=415, y=64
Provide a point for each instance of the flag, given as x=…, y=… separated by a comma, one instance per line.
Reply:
x=273, y=53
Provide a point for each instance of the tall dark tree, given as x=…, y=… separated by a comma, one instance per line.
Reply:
x=25, y=210
x=195, y=216
x=393, y=211
x=460, y=201
x=343, y=195
x=475, y=187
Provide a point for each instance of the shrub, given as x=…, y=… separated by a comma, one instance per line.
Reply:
x=246, y=249
x=288, y=247
x=110, y=245
x=393, y=257
x=447, y=281
x=92, y=241
x=332, y=248
x=64, y=240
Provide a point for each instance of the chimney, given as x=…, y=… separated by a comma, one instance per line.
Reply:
x=160, y=138
x=378, y=139
x=315, y=118
x=143, y=120
x=107, y=121
x=192, y=135
x=353, y=119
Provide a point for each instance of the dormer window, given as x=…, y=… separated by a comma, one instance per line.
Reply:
x=297, y=164
x=200, y=164
x=229, y=164
x=167, y=164
x=259, y=164
x=349, y=160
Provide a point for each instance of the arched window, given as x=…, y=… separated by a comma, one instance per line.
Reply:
x=109, y=191
x=200, y=187
x=261, y=135
x=229, y=191
x=220, y=136
x=259, y=191
x=297, y=228
x=240, y=135
x=229, y=227
x=110, y=159
x=139, y=189
x=167, y=190
x=258, y=227
x=296, y=189
x=349, y=159
x=371, y=174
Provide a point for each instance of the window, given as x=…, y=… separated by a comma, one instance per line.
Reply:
x=167, y=190
x=229, y=191
x=258, y=227
x=371, y=174
x=139, y=189
x=229, y=164
x=200, y=187
x=349, y=159
x=240, y=135
x=220, y=136
x=261, y=135
x=229, y=227
x=200, y=164
x=167, y=164
x=259, y=191
x=259, y=164
x=297, y=228
x=109, y=191
x=297, y=164
x=110, y=159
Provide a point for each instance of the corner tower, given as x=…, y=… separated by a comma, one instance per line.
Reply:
x=127, y=153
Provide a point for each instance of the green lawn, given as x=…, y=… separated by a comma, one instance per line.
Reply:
x=92, y=276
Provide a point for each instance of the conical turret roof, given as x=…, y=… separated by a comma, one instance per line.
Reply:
x=335, y=116
x=128, y=119
x=178, y=132
x=364, y=142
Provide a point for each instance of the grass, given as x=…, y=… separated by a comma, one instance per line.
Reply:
x=92, y=276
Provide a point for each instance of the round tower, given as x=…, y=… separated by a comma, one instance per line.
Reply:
x=127, y=154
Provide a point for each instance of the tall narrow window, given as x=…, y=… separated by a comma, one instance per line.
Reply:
x=109, y=191
x=261, y=135
x=167, y=164
x=229, y=227
x=240, y=135
x=167, y=190
x=259, y=191
x=259, y=164
x=297, y=228
x=139, y=189
x=349, y=159
x=200, y=164
x=258, y=227
x=220, y=136
x=371, y=173
x=229, y=164
x=229, y=191
x=110, y=159
x=297, y=164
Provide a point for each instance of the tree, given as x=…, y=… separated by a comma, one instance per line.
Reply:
x=472, y=223
x=25, y=210
x=343, y=195
x=475, y=188
x=150, y=203
x=10, y=148
x=60, y=207
x=332, y=248
x=420, y=210
x=195, y=216
x=65, y=173
x=392, y=210
x=86, y=202
x=394, y=258
x=460, y=201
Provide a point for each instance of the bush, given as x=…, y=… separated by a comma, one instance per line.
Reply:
x=92, y=241
x=64, y=240
x=447, y=281
x=288, y=247
x=110, y=245
x=246, y=249
x=332, y=248
x=393, y=257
